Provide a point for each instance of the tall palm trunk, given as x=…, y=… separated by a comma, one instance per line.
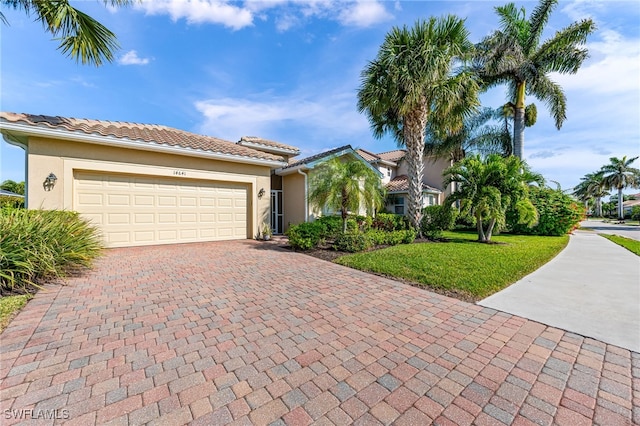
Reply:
x=620, y=204
x=518, y=122
x=414, y=141
x=598, y=206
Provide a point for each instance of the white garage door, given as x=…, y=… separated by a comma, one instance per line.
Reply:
x=133, y=210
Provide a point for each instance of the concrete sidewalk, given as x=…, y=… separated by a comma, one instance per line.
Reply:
x=591, y=288
x=622, y=229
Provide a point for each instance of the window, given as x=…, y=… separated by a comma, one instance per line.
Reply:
x=396, y=204
x=389, y=171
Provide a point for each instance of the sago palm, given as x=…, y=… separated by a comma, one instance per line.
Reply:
x=81, y=37
x=412, y=82
x=513, y=55
x=345, y=186
x=619, y=174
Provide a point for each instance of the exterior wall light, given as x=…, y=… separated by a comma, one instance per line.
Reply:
x=50, y=182
x=261, y=193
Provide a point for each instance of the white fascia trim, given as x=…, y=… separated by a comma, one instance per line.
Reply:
x=289, y=170
x=269, y=148
x=133, y=144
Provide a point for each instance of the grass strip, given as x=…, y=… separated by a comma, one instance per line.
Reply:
x=9, y=307
x=630, y=244
x=461, y=265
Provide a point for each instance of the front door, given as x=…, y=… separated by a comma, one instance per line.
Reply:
x=277, y=214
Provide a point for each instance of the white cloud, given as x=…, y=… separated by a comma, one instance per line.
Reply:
x=132, y=58
x=614, y=66
x=201, y=11
x=275, y=117
x=364, y=14
x=285, y=13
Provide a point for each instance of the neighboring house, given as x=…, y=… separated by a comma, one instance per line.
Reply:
x=291, y=207
x=628, y=205
x=5, y=193
x=393, y=166
x=147, y=184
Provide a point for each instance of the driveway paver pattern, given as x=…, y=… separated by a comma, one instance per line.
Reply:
x=244, y=333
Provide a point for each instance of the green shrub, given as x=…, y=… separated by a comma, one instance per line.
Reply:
x=635, y=213
x=332, y=225
x=306, y=235
x=558, y=213
x=7, y=201
x=436, y=219
x=377, y=237
x=465, y=222
x=390, y=222
x=409, y=236
x=40, y=244
x=352, y=242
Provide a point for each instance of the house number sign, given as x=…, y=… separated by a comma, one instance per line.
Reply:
x=179, y=173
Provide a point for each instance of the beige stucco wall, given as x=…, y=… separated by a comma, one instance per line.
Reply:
x=294, y=201
x=45, y=156
x=433, y=168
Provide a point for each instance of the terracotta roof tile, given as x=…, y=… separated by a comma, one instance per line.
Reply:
x=401, y=184
x=369, y=156
x=394, y=155
x=267, y=143
x=150, y=133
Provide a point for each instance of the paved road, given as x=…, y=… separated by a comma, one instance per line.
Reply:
x=625, y=230
x=244, y=333
x=591, y=288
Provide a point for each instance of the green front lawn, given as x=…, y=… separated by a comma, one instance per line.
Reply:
x=631, y=245
x=461, y=266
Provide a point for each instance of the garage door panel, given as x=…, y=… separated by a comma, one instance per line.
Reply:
x=167, y=218
x=144, y=218
x=90, y=199
x=138, y=210
x=143, y=201
x=118, y=200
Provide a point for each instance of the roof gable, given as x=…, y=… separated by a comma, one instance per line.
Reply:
x=314, y=160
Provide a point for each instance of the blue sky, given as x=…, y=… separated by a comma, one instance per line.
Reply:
x=290, y=70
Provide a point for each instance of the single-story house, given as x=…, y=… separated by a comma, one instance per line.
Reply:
x=147, y=184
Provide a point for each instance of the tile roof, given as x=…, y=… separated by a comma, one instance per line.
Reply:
x=267, y=143
x=151, y=133
x=317, y=157
x=369, y=156
x=401, y=184
x=394, y=155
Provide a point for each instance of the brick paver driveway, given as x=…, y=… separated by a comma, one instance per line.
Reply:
x=243, y=333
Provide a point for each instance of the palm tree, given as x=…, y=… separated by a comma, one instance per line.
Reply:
x=81, y=37
x=476, y=134
x=411, y=83
x=591, y=187
x=514, y=56
x=620, y=175
x=344, y=186
x=488, y=187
